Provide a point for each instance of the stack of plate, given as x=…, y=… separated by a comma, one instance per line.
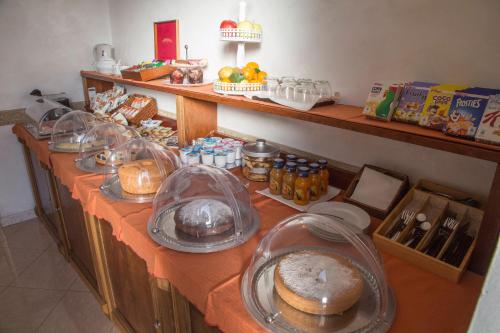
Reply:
x=351, y=215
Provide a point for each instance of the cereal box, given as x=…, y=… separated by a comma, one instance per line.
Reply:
x=466, y=111
x=412, y=102
x=435, y=112
x=489, y=128
x=382, y=100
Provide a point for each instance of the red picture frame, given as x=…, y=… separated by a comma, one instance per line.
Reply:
x=166, y=40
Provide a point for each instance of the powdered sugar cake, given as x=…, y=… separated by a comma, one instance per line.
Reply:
x=318, y=283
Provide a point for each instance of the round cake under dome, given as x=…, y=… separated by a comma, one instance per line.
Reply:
x=202, y=209
x=137, y=169
x=69, y=131
x=98, y=144
x=300, y=280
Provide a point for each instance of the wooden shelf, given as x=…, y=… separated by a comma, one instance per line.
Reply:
x=341, y=116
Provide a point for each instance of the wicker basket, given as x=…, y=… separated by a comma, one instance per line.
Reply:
x=147, y=112
x=227, y=88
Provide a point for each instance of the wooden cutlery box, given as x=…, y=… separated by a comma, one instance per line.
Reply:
x=436, y=208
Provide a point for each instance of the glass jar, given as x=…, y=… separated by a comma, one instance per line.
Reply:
x=291, y=158
x=302, y=162
x=302, y=192
x=315, y=181
x=288, y=183
x=276, y=176
x=325, y=176
x=258, y=160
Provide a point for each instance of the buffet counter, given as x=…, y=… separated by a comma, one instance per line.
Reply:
x=211, y=282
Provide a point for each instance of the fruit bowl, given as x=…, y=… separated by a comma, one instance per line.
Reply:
x=240, y=35
x=229, y=88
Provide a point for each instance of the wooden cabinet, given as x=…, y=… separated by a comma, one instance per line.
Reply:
x=79, y=248
x=43, y=186
x=131, y=287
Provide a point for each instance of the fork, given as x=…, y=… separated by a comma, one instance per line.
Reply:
x=440, y=237
x=405, y=218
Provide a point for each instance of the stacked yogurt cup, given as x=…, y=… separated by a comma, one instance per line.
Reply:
x=222, y=153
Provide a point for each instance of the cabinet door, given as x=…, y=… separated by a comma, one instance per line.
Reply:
x=79, y=249
x=47, y=208
x=133, y=304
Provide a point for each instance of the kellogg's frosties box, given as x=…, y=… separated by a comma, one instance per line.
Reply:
x=489, y=127
x=435, y=112
x=466, y=111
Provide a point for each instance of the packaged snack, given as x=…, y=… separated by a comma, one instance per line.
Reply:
x=382, y=100
x=489, y=128
x=466, y=111
x=438, y=102
x=412, y=102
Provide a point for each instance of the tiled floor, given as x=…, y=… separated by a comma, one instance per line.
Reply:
x=39, y=290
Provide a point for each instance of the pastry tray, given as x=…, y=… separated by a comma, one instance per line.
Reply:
x=53, y=147
x=113, y=190
x=162, y=230
x=274, y=314
x=89, y=164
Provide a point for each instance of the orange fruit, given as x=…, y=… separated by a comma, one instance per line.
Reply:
x=248, y=73
x=252, y=64
x=261, y=76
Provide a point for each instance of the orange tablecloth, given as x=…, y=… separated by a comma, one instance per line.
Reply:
x=425, y=302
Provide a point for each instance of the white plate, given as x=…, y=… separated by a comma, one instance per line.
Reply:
x=332, y=193
x=344, y=212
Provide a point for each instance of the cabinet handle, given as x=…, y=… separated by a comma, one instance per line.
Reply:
x=157, y=324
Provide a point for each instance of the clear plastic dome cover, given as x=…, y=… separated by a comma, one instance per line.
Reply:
x=98, y=144
x=202, y=209
x=43, y=114
x=69, y=131
x=301, y=280
x=136, y=170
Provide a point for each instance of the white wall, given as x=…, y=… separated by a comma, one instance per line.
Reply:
x=44, y=44
x=349, y=43
x=15, y=191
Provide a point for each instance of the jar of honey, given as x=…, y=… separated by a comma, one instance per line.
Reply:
x=302, y=193
x=325, y=176
x=315, y=181
x=288, y=183
x=276, y=176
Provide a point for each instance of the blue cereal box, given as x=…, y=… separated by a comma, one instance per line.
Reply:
x=412, y=102
x=466, y=111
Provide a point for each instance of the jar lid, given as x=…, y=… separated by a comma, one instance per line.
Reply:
x=291, y=166
x=260, y=149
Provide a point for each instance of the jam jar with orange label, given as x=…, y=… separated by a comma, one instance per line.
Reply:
x=288, y=184
x=315, y=178
x=325, y=176
x=276, y=176
x=302, y=193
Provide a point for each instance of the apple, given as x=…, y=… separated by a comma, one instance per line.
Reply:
x=245, y=25
x=228, y=24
